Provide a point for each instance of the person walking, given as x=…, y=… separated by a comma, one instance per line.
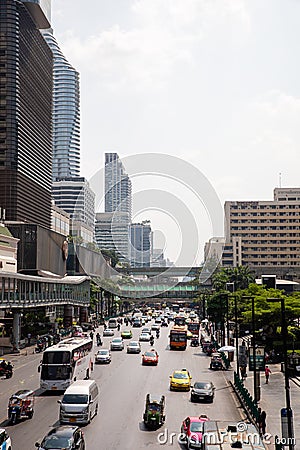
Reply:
x=262, y=422
x=267, y=374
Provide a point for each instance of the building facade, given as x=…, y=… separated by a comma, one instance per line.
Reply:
x=75, y=196
x=112, y=233
x=25, y=113
x=265, y=235
x=66, y=114
x=140, y=244
x=8, y=250
x=118, y=196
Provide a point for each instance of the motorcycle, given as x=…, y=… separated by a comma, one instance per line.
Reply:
x=40, y=346
x=99, y=342
x=6, y=370
x=194, y=342
x=151, y=341
x=157, y=334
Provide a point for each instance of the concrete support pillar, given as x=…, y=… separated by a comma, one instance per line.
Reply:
x=16, y=330
x=68, y=316
x=83, y=314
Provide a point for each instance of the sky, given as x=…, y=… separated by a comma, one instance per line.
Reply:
x=214, y=83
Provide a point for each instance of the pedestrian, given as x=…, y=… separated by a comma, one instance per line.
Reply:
x=267, y=374
x=262, y=422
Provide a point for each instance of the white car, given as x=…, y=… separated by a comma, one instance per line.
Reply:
x=134, y=347
x=117, y=344
x=5, y=441
x=108, y=332
x=103, y=356
x=144, y=337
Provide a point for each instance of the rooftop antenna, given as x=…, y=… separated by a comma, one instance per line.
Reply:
x=280, y=179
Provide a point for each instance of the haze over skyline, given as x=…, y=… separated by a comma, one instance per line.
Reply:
x=213, y=82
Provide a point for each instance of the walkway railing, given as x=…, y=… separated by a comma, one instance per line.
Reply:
x=246, y=398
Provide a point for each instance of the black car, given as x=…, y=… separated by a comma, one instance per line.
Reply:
x=203, y=390
x=63, y=437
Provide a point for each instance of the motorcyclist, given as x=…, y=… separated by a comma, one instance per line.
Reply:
x=9, y=367
x=157, y=334
x=91, y=335
x=119, y=326
x=151, y=340
x=98, y=338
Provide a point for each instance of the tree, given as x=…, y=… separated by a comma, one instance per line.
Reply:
x=241, y=276
x=112, y=254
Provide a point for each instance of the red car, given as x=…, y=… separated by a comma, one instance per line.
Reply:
x=192, y=430
x=150, y=357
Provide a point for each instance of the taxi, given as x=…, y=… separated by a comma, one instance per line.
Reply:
x=5, y=441
x=126, y=334
x=192, y=431
x=150, y=357
x=180, y=380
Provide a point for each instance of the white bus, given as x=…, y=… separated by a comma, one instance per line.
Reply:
x=65, y=362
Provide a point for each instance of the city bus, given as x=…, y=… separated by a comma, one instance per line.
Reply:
x=180, y=320
x=178, y=337
x=194, y=328
x=65, y=362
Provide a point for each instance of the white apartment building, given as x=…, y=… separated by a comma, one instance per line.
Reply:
x=265, y=235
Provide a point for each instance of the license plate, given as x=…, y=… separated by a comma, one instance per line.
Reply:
x=72, y=419
x=54, y=388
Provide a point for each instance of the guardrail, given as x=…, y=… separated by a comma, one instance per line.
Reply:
x=246, y=399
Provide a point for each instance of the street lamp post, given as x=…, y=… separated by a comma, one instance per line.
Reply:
x=236, y=336
x=252, y=297
x=286, y=375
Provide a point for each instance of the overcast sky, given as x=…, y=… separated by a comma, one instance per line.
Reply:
x=213, y=82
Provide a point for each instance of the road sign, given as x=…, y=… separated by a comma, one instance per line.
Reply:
x=259, y=358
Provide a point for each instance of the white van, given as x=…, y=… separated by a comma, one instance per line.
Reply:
x=79, y=403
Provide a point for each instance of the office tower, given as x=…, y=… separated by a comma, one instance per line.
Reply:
x=140, y=240
x=66, y=114
x=157, y=258
x=111, y=233
x=75, y=196
x=25, y=113
x=265, y=235
x=117, y=186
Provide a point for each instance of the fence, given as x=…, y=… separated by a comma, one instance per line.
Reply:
x=246, y=399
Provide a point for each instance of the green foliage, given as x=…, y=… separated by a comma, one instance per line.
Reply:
x=112, y=254
x=241, y=276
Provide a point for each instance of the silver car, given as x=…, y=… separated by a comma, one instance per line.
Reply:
x=145, y=337
x=103, y=356
x=117, y=344
x=108, y=332
x=134, y=347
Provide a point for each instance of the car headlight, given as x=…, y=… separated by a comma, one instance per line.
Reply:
x=85, y=411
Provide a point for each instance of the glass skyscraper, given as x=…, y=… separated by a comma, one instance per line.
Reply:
x=117, y=186
x=66, y=114
x=25, y=114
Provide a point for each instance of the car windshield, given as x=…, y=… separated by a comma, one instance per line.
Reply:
x=180, y=375
x=117, y=340
x=154, y=407
x=196, y=427
x=75, y=399
x=103, y=352
x=150, y=354
x=202, y=385
x=134, y=344
x=57, y=442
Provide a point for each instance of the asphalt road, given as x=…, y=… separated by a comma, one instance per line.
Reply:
x=123, y=387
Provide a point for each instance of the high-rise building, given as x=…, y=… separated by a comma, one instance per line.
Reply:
x=25, y=112
x=75, y=196
x=140, y=240
x=117, y=186
x=111, y=233
x=157, y=258
x=265, y=235
x=66, y=114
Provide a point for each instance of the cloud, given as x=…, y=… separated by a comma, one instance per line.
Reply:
x=165, y=33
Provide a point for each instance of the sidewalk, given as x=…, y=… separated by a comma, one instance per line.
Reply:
x=273, y=399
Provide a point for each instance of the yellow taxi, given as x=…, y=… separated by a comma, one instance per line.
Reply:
x=180, y=380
